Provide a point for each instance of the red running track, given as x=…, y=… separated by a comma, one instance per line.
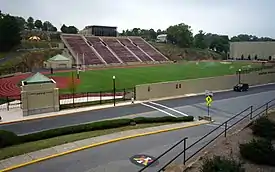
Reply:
x=9, y=86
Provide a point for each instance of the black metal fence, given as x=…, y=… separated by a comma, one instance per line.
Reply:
x=10, y=102
x=94, y=98
x=248, y=113
x=74, y=100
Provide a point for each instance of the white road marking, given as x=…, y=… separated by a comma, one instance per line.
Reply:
x=158, y=109
x=168, y=108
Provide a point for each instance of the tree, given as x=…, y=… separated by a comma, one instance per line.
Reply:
x=21, y=22
x=136, y=31
x=63, y=28
x=70, y=29
x=38, y=24
x=47, y=26
x=9, y=33
x=180, y=34
x=30, y=23
x=152, y=34
x=54, y=29
x=199, y=40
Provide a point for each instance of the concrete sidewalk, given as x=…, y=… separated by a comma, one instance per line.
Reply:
x=16, y=115
x=44, y=154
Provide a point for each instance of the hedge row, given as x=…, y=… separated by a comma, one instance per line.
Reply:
x=9, y=138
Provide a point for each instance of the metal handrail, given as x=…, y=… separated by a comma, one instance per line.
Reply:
x=168, y=150
x=224, y=131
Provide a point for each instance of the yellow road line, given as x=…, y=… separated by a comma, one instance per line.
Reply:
x=102, y=143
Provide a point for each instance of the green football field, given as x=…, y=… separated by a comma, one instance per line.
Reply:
x=101, y=80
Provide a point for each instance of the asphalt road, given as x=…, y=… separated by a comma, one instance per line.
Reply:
x=115, y=157
x=192, y=106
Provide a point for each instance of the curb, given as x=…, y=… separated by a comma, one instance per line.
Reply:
x=102, y=143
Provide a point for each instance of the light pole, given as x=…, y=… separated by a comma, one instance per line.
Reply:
x=239, y=75
x=114, y=89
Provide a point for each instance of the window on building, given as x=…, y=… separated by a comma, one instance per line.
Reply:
x=269, y=58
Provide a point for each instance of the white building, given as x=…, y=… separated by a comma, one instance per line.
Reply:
x=162, y=38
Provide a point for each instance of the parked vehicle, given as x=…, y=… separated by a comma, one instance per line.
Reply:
x=241, y=87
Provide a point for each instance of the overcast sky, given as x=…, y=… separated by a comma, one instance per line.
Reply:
x=230, y=17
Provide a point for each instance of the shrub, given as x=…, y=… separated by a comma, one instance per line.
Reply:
x=98, y=126
x=8, y=138
x=258, y=151
x=221, y=164
x=263, y=127
x=76, y=129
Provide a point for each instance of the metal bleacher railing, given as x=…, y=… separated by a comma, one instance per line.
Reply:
x=251, y=113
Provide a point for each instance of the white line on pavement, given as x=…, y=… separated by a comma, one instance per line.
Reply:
x=158, y=109
x=168, y=108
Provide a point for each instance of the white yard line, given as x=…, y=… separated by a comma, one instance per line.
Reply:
x=158, y=109
x=157, y=104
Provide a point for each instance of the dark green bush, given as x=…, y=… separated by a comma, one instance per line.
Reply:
x=75, y=129
x=258, y=152
x=8, y=138
x=98, y=126
x=221, y=164
x=263, y=127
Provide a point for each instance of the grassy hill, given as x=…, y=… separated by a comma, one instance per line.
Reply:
x=176, y=53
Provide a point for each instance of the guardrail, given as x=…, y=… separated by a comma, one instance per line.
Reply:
x=251, y=113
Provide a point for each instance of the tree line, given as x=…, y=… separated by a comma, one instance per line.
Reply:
x=11, y=28
x=182, y=35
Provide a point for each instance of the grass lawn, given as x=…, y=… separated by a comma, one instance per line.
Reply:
x=101, y=80
x=47, y=143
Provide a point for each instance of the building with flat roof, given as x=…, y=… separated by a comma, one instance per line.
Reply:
x=95, y=30
x=252, y=50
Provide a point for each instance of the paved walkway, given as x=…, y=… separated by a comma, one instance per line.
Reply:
x=55, y=151
x=16, y=114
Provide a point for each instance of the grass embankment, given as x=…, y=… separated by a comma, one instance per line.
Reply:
x=13, y=145
x=101, y=80
x=174, y=52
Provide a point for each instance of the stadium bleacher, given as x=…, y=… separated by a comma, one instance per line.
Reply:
x=110, y=50
x=157, y=56
x=120, y=50
x=80, y=48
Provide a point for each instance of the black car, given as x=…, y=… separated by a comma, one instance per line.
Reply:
x=241, y=87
